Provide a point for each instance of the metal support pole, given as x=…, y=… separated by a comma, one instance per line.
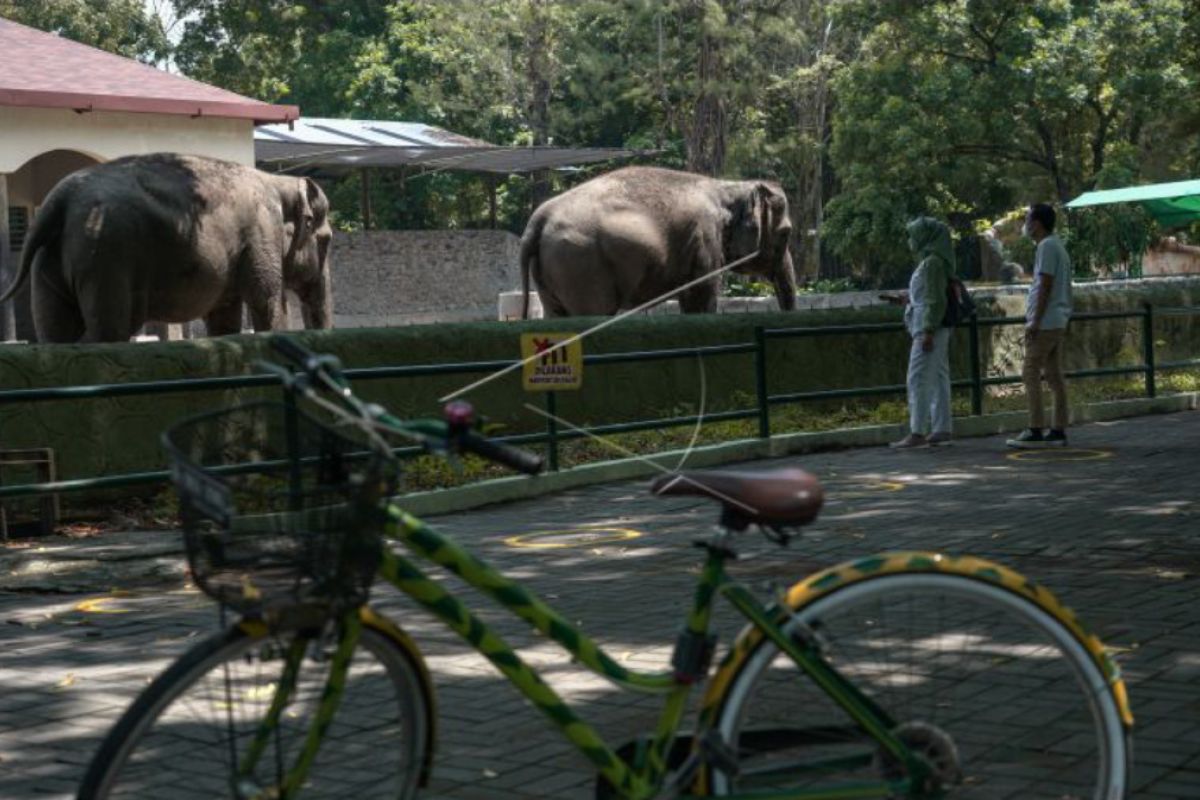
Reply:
x=491, y=182
x=8, y=309
x=291, y=428
x=368, y=213
x=976, y=368
x=1148, y=349
x=760, y=383
x=552, y=429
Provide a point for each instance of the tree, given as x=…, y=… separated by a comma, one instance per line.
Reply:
x=123, y=27
x=964, y=108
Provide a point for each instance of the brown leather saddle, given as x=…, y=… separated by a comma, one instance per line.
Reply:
x=782, y=497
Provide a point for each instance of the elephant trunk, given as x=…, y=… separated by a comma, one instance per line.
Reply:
x=316, y=296
x=317, y=305
x=784, y=279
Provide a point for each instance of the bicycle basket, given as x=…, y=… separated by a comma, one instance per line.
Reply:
x=279, y=510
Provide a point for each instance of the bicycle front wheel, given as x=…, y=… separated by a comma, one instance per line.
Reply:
x=184, y=734
x=1000, y=698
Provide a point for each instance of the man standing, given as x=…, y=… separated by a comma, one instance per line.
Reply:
x=1047, y=312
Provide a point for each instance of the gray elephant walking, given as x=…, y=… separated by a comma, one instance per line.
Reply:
x=173, y=238
x=624, y=238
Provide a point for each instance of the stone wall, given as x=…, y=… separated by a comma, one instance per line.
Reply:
x=386, y=278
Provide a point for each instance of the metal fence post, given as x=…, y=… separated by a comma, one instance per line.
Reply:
x=552, y=429
x=291, y=428
x=976, y=367
x=1148, y=349
x=760, y=383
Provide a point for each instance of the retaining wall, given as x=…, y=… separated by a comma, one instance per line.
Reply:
x=106, y=436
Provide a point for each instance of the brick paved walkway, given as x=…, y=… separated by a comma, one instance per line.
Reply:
x=1114, y=536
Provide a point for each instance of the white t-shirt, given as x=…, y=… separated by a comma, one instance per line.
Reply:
x=1052, y=260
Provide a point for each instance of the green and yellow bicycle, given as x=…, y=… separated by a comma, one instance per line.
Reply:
x=901, y=675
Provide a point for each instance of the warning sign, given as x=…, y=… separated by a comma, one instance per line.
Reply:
x=547, y=367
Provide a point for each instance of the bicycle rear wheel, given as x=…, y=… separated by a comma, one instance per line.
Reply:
x=182, y=735
x=999, y=696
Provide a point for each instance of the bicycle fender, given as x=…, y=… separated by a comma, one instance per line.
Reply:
x=849, y=572
x=386, y=627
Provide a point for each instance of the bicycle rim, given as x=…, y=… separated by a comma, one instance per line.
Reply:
x=994, y=692
x=178, y=738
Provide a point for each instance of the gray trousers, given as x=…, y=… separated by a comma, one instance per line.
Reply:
x=929, y=386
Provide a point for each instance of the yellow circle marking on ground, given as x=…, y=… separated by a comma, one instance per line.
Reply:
x=571, y=537
x=98, y=605
x=1063, y=454
x=863, y=489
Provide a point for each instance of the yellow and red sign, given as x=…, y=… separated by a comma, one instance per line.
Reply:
x=549, y=366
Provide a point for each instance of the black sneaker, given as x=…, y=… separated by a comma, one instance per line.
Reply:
x=1028, y=439
x=1055, y=438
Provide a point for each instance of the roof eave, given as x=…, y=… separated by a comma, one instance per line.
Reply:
x=258, y=113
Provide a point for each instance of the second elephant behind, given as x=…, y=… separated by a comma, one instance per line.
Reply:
x=628, y=237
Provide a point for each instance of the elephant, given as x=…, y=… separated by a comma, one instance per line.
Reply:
x=629, y=236
x=172, y=238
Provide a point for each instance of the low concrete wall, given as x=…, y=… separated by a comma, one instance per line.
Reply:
x=385, y=278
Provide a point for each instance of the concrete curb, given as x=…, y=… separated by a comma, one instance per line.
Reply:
x=502, y=490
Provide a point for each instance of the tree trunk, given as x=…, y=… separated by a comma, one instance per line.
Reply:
x=537, y=72
x=706, y=137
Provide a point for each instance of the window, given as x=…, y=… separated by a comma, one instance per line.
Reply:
x=18, y=226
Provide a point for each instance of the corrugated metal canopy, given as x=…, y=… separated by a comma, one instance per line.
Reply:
x=336, y=145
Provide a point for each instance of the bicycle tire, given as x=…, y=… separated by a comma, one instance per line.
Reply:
x=173, y=741
x=1046, y=744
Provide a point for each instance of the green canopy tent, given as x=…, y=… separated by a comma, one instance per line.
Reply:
x=1171, y=204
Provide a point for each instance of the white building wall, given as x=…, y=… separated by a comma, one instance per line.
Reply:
x=26, y=133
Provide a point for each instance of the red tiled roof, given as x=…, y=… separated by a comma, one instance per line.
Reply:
x=42, y=70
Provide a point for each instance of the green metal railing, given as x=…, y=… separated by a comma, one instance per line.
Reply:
x=554, y=435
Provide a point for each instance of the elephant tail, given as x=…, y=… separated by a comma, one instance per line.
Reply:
x=46, y=229
x=529, y=256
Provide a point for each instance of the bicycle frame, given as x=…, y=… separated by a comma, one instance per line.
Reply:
x=644, y=775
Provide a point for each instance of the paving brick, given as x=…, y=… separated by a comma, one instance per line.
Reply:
x=1114, y=539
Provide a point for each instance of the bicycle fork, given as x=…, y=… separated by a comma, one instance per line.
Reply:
x=805, y=651
x=288, y=785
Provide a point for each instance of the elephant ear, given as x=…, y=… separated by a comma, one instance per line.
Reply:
x=317, y=203
x=774, y=218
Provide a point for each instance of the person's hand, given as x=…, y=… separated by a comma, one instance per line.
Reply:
x=927, y=342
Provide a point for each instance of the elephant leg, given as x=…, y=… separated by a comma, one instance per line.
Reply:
x=700, y=299
x=56, y=315
x=225, y=319
x=268, y=313
x=264, y=296
x=110, y=320
x=552, y=306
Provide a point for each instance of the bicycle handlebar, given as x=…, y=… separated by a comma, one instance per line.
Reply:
x=512, y=457
x=459, y=416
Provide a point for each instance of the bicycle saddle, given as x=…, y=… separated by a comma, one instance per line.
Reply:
x=781, y=497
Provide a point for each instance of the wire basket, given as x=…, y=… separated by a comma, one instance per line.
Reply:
x=279, y=510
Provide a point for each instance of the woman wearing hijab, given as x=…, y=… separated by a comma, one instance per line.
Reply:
x=929, y=359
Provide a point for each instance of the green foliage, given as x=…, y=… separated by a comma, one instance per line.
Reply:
x=868, y=113
x=118, y=26
x=965, y=109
